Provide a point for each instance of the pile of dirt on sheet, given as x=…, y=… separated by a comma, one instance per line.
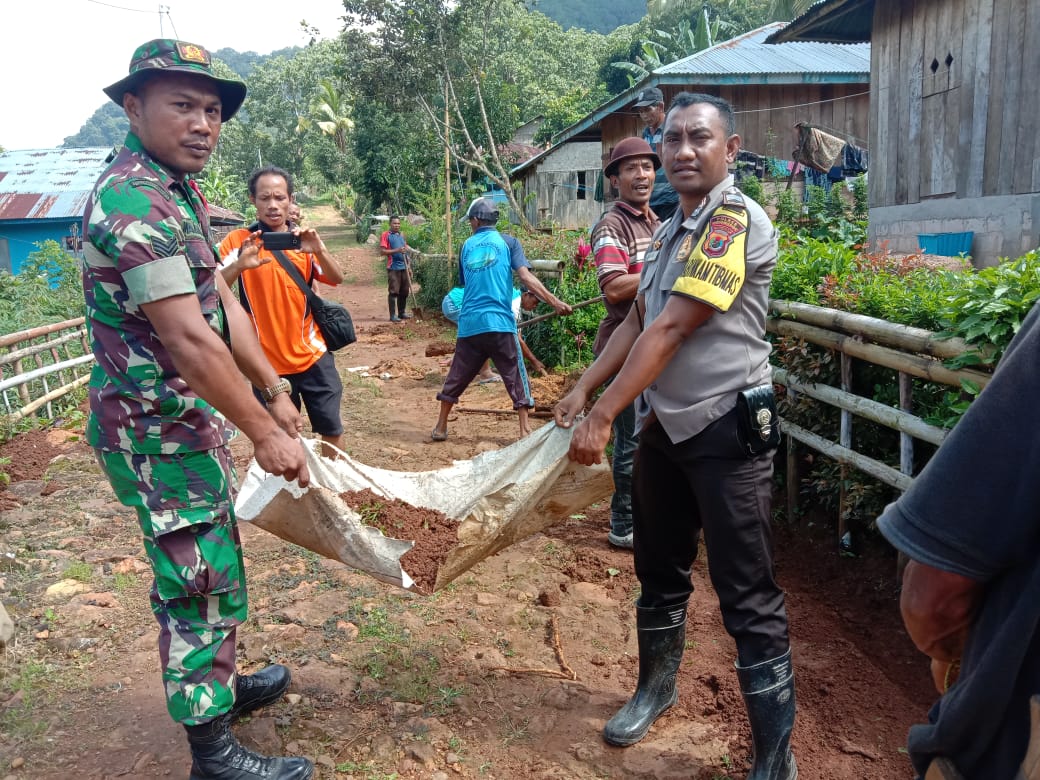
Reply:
x=434, y=534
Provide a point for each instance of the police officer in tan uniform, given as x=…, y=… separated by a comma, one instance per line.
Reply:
x=692, y=353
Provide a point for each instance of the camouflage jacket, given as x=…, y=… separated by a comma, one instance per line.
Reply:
x=148, y=238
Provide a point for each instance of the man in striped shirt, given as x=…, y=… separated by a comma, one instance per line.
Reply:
x=619, y=241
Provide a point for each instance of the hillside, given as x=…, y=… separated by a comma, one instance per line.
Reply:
x=603, y=16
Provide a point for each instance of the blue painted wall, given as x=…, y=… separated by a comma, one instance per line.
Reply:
x=23, y=235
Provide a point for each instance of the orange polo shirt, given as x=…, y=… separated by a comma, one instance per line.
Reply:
x=286, y=330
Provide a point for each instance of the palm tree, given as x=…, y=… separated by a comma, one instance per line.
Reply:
x=331, y=114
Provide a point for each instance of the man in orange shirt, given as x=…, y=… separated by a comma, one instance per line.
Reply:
x=287, y=332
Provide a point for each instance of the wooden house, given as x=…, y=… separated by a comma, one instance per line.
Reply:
x=954, y=131
x=772, y=88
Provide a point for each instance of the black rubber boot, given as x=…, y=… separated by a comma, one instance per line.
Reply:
x=253, y=691
x=662, y=637
x=217, y=755
x=402, y=305
x=768, y=689
x=391, y=302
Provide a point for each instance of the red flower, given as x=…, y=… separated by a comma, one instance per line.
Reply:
x=581, y=254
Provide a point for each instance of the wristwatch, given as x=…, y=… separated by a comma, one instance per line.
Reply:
x=281, y=386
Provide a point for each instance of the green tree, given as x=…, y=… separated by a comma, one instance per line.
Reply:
x=395, y=157
x=750, y=13
x=488, y=64
x=245, y=62
x=267, y=131
x=564, y=111
x=665, y=46
x=601, y=16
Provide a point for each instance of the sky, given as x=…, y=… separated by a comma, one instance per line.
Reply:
x=58, y=54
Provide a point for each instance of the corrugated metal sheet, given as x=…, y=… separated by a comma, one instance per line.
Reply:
x=48, y=183
x=750, y=55
x=836, y=21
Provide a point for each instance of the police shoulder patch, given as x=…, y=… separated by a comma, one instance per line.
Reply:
x=719, y=234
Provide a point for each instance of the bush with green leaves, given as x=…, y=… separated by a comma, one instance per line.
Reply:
x=47, y=289
x=986, y=308
x=567, y=341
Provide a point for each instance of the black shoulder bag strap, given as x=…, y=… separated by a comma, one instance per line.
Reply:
x=291, y=269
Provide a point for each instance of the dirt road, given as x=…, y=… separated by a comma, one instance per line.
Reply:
x=466, y=682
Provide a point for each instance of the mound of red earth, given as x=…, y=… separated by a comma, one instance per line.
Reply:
x=434, y=534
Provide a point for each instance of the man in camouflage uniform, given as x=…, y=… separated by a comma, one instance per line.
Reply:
x=166, y=388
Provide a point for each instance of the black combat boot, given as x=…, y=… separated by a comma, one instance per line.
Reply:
x=661, y=633
x=217, y=755
x=253, y=691
x=768, y=689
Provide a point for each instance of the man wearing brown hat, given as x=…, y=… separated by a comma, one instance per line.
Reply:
x=167, y=388
x=650, y=106
x=619, y=241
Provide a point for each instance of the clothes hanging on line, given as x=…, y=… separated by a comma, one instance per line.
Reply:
x=815, y=178
x=854, y=160
x=817, y=149
x=749, y=164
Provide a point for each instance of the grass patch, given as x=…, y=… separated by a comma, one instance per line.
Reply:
x=79, y=570
x=408, y=674
x=30, y=684
x=365, y=770
x=124, y=582
x=354, y=381
x=444, y=700
x=516, y=731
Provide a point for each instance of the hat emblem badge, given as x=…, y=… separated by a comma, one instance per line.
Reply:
x=193, y=53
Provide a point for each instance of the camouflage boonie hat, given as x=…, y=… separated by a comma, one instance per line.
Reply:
x=165, y=54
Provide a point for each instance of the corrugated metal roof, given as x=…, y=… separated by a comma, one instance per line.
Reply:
x=48, y=183
x=839, y=21
x=750, y=55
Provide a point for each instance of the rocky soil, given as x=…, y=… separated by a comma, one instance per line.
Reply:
x=509, y=672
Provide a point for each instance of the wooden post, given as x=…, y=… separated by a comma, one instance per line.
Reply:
x=906, y=441
x=792, y=478
x=845, y=440
x=447, y=174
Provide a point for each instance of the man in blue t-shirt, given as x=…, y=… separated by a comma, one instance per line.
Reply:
x=487, y=325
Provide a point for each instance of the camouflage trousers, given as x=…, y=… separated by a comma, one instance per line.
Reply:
x=184, y=506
